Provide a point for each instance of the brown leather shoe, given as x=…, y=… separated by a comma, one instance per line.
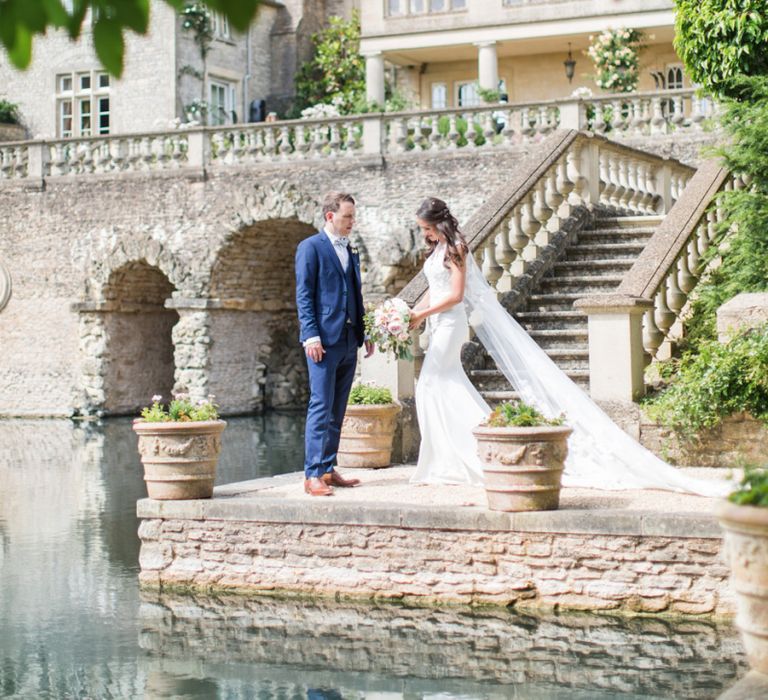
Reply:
x=333, y=478
x=317, y=487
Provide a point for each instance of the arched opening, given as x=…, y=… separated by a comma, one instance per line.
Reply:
x=137, y=329
x=256, y=361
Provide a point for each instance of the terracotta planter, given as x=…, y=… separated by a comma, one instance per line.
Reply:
x=366, y=435
x=746, y=549
x=522, y=466
x=179, y=458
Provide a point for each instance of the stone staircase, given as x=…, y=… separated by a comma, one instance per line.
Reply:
x=595, y=263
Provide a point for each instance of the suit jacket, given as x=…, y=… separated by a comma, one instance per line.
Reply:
x=321, y=291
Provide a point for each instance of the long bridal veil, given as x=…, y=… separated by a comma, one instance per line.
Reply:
x=600, y=454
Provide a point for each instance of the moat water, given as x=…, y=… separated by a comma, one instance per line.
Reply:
x=73, y=623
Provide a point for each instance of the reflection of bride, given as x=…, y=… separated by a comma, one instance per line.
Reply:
x=600, y=454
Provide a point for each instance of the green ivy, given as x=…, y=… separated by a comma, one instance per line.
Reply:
x=716, y=381
x=719, y=40
x=369, y=395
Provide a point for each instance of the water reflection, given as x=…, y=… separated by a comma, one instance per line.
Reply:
x=73, y=625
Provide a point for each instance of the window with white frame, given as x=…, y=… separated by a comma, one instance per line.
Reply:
x=439, y=95
x=674, y=76
x=220, y=26
x=221, y=102
x=398, y=8
x=82, y=103
x=466, y=94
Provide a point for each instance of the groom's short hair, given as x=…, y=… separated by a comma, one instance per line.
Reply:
x=332, y=201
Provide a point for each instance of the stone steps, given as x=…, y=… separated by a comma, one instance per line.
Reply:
x=595, y=263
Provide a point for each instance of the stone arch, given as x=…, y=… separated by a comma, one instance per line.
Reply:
x=126, y=337
x=255, y=360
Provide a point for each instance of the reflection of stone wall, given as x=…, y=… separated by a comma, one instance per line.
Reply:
x=651, y=574
x=671, y=659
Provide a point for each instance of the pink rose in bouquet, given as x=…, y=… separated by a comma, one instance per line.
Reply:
x=387, y=328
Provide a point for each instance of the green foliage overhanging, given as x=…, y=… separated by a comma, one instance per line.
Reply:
x=744, y=264
x=753, y=490
x=719, y=40
x=719, y=380
x=520, y=415
x=336, y=73
x=22, y=20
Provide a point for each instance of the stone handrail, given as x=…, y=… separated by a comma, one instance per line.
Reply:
x=376, y=134
x=567, y=170
x=641, y=320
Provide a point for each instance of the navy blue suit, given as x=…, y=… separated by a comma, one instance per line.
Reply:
x=330, y=305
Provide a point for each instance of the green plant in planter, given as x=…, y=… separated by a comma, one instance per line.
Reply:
x=753, y=489
x=369, y=395
x=520, y=415
x=180, y=409
x=9, y=113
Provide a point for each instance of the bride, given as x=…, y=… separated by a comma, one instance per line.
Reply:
x=600, y=454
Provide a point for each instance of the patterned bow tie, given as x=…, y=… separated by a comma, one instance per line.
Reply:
x=342, y=240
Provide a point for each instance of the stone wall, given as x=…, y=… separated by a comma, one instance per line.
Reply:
x=635, y=574
x=472, y=654
x=223, y=240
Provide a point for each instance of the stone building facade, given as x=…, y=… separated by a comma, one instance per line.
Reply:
x=65, y=91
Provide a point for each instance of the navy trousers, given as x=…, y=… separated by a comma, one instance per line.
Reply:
x=329, y=383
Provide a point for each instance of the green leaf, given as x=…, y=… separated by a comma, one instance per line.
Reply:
x=109, y=45
x=20, y=52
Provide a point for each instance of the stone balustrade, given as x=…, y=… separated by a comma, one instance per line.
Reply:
x=517, y=235
x=377, y=134
x=641, y=321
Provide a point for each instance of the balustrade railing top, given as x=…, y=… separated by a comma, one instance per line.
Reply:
x=378, y=134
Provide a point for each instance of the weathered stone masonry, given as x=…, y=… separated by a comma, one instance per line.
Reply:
x=637, y=573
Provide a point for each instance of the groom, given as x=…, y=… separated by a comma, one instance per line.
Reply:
x=330, y=306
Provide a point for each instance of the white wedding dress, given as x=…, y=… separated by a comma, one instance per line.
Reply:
x=600, y=454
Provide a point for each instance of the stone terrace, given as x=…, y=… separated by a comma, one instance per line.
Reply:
x=629, y=551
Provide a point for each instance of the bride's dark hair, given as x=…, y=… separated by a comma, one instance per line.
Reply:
x=435, y=211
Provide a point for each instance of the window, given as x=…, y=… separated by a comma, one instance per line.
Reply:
x=674, y=76
x=439, y=95
x=82, y=103
x=467, y=95
x=222, y=103
x=220, y=26
x=398, y=8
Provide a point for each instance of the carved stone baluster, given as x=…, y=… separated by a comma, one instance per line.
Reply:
x=350, y=140
x=711, y=225
x=86, y=150
x=418, y=136
x=652, y=336
x=118, y=151
x=286, y=148
x=598, y=123
x=675, y=295
x=658, y=122
x=702, y=240
x=564, y=185
x=319, y=140
x=636, y=194
x=302, y=142
x=453, y=132
x=436, y=139
x=636, y=123
x=398, y=135
x=625, y=195
x=687, y=280
x=6, y=163
x=614, y=164
x=238, y=146
x=505, y=254
x=580, y=194
x=678, y=113
x=147, y=156
x=606, y=185
x=508, y=132
x=553, y=197
x=257, y=145
x=164, y=150
x=542, y=212
x=697, y=114
x=334, y=143
x=526, y=127
x=218, y=147
x=492, y=271
x=518, y=240
x=489, y=129
x=530, y=226
x=617, y=117
x=471, y=133
x=664, y=316
x=694, y=256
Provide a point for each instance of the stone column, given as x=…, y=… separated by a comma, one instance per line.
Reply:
x=615, y=328
x=191, y=347
x=487, y=65
x=573, y=115
x=374, y=77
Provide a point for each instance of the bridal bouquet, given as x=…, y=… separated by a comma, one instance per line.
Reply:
x=387, y=328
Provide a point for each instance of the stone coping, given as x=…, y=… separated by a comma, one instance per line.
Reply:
x=387, y=499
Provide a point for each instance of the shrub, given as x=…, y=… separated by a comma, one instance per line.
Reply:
x=9, y=113
x=753, y=489
x=716, y=381
x=369, y=395
x=519, y=414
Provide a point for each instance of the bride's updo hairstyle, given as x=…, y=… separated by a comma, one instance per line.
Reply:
x=435, y=211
